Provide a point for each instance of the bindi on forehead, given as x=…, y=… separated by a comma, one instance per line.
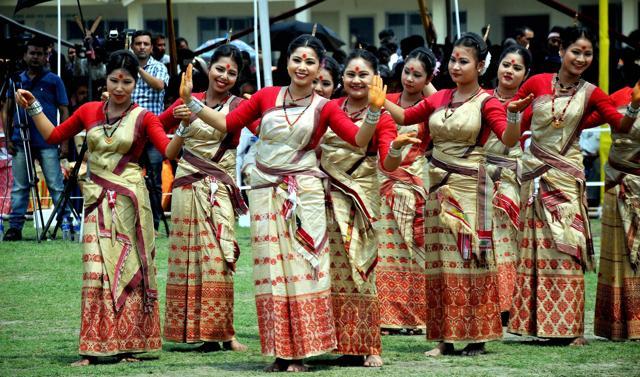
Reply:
x=228, y=65
x=357, y=68
x=320, y=77
x=120, y=76
x=412, y=68
x=513, y=61
x=304, y=56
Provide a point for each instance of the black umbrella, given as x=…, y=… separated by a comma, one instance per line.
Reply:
x=282, y=33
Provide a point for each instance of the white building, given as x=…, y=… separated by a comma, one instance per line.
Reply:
x=200, y=20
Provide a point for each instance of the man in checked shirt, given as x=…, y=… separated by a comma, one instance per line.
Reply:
x=149, y=93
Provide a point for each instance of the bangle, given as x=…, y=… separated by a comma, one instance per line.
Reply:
x=513, y=117
x=195, y=106
x=182, y=130
x=393, y=152
x=631, y=112
x=34, y=109
x=372, y=117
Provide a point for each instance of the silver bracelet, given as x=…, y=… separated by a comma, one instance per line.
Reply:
x=372, y=117
x=182, y=130
x=34, y=109
x=394, y=152
x=631, y=112
x=514, y=117
x=195, y=106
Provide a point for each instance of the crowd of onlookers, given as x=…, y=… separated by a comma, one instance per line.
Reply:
x=83, y=78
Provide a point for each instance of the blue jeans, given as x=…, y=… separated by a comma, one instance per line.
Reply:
x=50, y=164
x=154, y=172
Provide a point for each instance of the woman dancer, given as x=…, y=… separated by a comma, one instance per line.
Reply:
x=354, y=207
x=617, y=314
x=328, y=80
x=287, y=204
x=461, y=281
x=119, y=314
x=202, y=246
x=555, y=245
x=400, y=270
x=513, y=68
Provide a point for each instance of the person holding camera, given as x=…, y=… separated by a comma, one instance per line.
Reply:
x=49, y=90
x=149, y=94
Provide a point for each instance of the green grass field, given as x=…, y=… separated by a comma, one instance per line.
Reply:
x=39, y=324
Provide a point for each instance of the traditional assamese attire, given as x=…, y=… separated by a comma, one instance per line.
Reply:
x=119, y=311
x=555, y=241
x=502, y=163
x=400, y=277
x=202, y=245
x=288, y=221
x=354, y=207
x=462, y=298
x=617, y=315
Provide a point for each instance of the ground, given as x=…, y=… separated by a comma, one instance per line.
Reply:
x=39, y=324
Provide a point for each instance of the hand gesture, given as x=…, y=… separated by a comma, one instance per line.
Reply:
x=405, y=139
x=104, y=96
x=186, y=86
x=182, y=112
x=24, y=98
x=377, y=93
x=635, y=95
x=521, y=104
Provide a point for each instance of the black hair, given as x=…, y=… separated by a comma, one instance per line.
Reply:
x=228, y=51
x=426, y=57
x=140, y=33
x=307, y=40
x=331, y=65
x=364, y=55
x=474, y=41
x=180, y=39
x=519, y=50
x=38, y=42
x=570, y=35
x=521, y=31
x=386, y=34
x=630, y=70
x=158, y=36
x=123, y=59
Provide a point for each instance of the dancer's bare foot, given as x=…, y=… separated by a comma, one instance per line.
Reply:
x=386, y=331
x=474, y=349
x=278, y=365
x=441, y=349
x=373, y=361
x=129, y=359
x=579, y=342
x=83, y=362
x=297, y=366
x=234, y=345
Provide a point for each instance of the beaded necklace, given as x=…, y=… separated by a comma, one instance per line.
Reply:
x=293, y=101
x=446, y=114
x=108, y=138
x=399, y=101
x=220, y=105
x=557, y=120
x=500, y=97
x=353, y=115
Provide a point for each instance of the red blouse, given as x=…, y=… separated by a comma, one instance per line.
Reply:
x=385, y=133
x=91, y=114
x=265, y=99
x=494, y=114
x=170, y=122
x=424, y=145
x=599, y=109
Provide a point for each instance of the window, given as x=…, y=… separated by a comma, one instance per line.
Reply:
x=361, y=30
x=405, y=24
x=74, y=32
x=211, y=28
x=160, y=27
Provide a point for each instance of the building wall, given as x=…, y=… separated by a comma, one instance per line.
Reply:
x=332, y=13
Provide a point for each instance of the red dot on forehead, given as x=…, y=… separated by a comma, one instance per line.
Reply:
x=513, y=61
x=411, y=68
x=228, y=66
x=320, y=77
x=304, y=56
x=357, y=68
x=583, y=47
x=457, y=54
x=120, y=76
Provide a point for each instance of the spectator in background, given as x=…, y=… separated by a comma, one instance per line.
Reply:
x=552, y=61
x=160, y=49
x=200, y=75
x=49, y=90
x=524, y=35
x=149, y=94
x=388, y=39
x=181, y=43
